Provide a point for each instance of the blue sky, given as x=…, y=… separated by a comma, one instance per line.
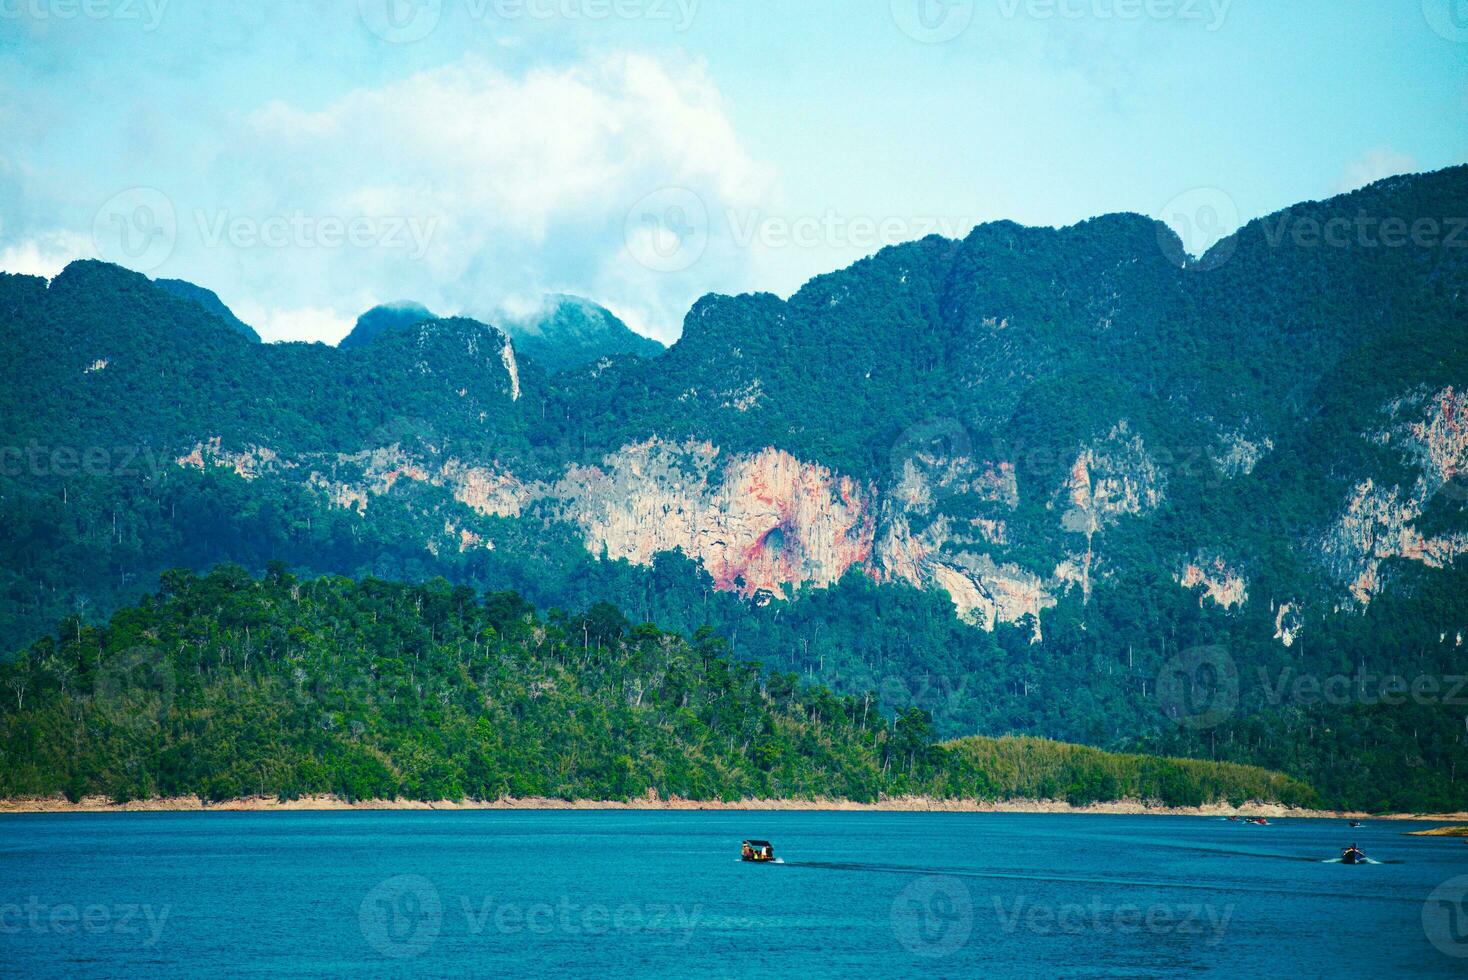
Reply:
x=309, y=159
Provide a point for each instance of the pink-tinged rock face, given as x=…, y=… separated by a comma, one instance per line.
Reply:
x=1219, y=582
x=1443, y=436
x=757, y=523
x=1379, y=523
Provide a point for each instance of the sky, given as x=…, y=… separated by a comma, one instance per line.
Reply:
x=308, y=159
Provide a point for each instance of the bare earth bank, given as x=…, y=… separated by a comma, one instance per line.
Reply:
x=906, y=803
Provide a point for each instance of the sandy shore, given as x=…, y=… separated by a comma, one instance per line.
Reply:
x=1442, y=832
x=895, y=804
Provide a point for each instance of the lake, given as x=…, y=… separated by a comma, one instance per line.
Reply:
x=618, y=893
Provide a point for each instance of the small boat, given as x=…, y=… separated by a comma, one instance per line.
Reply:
x=1353, y=855
x=1355, y=823
x=1257, y=821
x=758, y=851
x=1233, y=819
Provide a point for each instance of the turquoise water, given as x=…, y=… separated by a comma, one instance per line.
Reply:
x=662, y=894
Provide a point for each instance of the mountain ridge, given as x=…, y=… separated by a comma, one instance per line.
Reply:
x=1010, y=477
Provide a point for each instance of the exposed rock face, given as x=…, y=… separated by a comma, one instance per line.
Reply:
x=986, y=593
x=1237, y=455
x=1288, y=623
x=249, y=463
x=756, y=523
x=1110, y=479
x=1378, y=523
x=1219, y=582
x=512, y=368
x=767, y=524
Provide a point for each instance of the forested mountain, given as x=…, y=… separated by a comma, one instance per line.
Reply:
x=225, y=687
x=1018, y=480
x=210, y=301
x=384, y=318
x=572, y=332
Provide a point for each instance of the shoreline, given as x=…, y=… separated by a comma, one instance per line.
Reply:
x=906, y=804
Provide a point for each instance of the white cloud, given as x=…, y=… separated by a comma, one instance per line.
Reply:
x=1373, y=165
x=46, y=255
x=525, y=183
x=309, y=324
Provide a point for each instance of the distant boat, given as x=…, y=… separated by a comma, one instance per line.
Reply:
x=758, y=851
x=1355, y=823
x=1353, y=855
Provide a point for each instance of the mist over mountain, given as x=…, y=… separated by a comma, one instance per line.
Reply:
x=1013, y=479
x=383, y=318
x=570, y=332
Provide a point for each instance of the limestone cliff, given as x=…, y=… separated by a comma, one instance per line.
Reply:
x=1378, y=522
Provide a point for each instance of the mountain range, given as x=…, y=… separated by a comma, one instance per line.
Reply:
x=1023, y=481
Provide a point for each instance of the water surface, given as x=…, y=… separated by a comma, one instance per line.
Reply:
x=594, y=894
